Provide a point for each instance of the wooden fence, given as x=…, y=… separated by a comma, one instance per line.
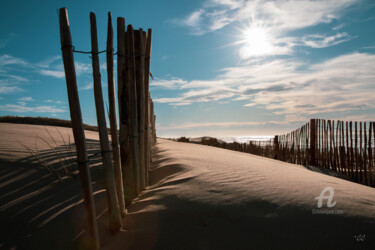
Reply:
x=343, y=146
x=127, y=170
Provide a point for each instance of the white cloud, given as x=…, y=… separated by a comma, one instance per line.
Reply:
x=321, y=41
x=87, y=87
x=11, y=60
x=6, y=89
x=83, y=68
x=170, y=84
x=53, y=101
x=36, y=109
x=339, y=84
x=54, y=73
x=26, y=99
x=275, y=18
x=46, y=63
x=338, y=27
x=283, y=15
x=369, y=47
x=14, y=78
x=191, y=125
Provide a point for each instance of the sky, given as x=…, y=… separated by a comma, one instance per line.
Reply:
x=220, y=67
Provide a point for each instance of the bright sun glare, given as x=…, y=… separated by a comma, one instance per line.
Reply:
x=256, y=42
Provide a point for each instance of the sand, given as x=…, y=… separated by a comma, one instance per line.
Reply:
x=201, y=197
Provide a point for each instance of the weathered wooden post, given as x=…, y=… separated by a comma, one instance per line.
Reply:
x=113, y=119
x=150, y=145
x=365, y=153
x=372, y=125
x=147, y=103
x=312, y=142
x=139, y=49
x=123, y=83
x=276, y=146
x=113, y=206
x=78, y=132
x=348, y=152
x=133, y=109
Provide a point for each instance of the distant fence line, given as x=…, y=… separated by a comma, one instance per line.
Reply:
x=346, y=147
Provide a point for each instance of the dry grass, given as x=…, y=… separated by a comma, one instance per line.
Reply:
x=64, y=153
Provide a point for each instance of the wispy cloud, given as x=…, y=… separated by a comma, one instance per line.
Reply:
x=338, y=84
x=6, y=89
x=169, y=84
x=191, y=125
x=21, y=108
x=321, y=41
x=53, y=101
x=54, y=73
x=283, y=15
x=338, y=27
x=87, y=86
x=368, y=47
x=11, y=60
x=275, y=18
x=26, y=99
x=49, y=61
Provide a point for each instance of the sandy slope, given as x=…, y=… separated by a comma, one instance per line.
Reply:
x=201, y=198
x=211, y=198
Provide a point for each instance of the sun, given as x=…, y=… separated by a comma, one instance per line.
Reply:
x=256, y=42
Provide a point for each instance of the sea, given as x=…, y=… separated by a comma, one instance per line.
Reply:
x=244, y=139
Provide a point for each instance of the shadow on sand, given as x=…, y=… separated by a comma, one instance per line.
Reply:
x=37, y=211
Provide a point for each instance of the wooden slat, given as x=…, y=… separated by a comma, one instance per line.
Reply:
x=371, y=129
x=147, y=105
x=113, y=118
x=343, y=151
x=348, y=151
x=365, y=154
x=352, y=159
x=133, y=109
x=139, y=50
x=312, y=152
x=360, y=166
x=355, y=165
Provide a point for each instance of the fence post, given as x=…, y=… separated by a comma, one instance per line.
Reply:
x=312, y=142
x=123, y=84
x=139, y=50
x=113, y=119
x=133, y=109
x=147, y=103
x=78, y=133
x=113, y=207
x=276, y=147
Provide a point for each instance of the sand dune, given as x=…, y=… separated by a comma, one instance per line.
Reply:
x=201, y=198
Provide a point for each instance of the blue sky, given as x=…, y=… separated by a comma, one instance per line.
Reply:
x=221, y=67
